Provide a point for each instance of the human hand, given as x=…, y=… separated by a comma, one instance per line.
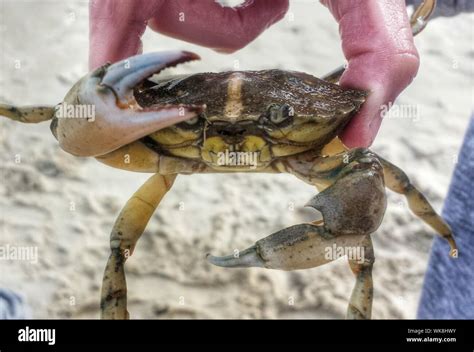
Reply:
x=115, y=31
x=378, y=44
x=376, y=40
x=117, y=26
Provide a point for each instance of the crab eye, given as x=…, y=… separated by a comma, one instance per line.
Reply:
x=277, y=114
x=193, y=124
x=192, y=121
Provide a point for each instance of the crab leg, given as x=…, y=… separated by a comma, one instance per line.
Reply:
x=321, y=173
x=307, y=246
x=118, y=119
x=27, y=114
x=296, y=247
x=353, y=207
x=352, y=202
x=398, y=181
x=360, y=303
x=128, y=228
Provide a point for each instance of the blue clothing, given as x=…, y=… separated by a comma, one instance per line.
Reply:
x=12, y=305
x=447, y=8
x=448, y=290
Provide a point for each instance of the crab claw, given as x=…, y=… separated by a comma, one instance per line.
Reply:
x=124, y=75
x=296, y=247
x=245, y=259
x=100, y=113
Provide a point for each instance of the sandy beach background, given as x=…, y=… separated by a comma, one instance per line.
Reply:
x=65, y=206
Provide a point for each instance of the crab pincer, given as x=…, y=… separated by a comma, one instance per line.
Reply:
x=352, y=208
x=296, y=247
x=118, y=119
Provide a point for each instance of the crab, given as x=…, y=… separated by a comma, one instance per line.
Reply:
x=271, y=121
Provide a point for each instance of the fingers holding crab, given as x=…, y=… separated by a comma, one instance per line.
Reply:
x=113, y=117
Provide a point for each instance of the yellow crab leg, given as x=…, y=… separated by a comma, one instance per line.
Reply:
x=360, y=303
x=128, y=228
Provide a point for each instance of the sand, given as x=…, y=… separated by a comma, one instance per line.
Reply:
x=65, y=206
